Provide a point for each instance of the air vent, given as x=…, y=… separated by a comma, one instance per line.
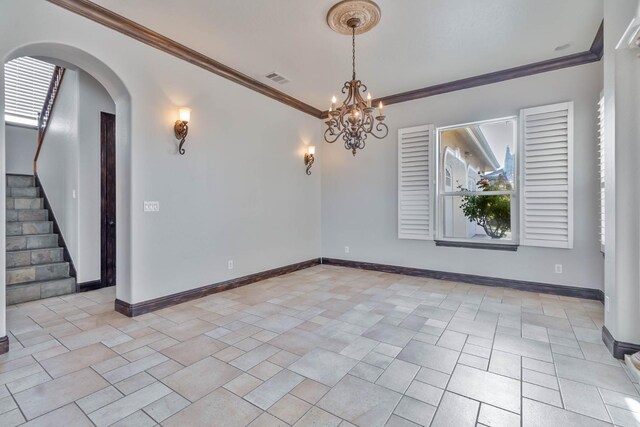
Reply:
x=278, y=78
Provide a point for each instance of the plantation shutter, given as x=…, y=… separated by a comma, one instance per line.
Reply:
x=601, y=167
x=415, y=181
x=547, y=194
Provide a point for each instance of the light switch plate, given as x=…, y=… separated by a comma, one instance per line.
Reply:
x=151, y=206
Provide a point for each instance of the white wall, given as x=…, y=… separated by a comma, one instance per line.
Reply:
x=70, y=162
x=93, y=99
x=359, y=195
x=22, y=143
x=622, y=231
x=58, y=161
x=240, y=191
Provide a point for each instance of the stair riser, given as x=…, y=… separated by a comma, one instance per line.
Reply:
x=20, y=181
x=27, y=215
x=27, y=228
x=34, y=257
x=23, y=192
x=21, y=243
x=17, y=294
x=24, y=203
x=37, y=272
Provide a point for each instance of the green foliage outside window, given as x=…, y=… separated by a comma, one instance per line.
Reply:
x=491, y=212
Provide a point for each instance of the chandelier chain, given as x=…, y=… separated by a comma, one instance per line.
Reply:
x=353, y=50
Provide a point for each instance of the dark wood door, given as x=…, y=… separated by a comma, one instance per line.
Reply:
x=108, y=197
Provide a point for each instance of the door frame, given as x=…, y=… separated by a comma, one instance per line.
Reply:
x=107, y=199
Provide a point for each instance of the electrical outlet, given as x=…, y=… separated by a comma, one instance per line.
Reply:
x=606, y=304
x=230, y=264
x=346, y=249
x=151, y=206
x=559, y=268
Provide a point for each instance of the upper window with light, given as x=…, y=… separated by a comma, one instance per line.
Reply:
x=26, y=85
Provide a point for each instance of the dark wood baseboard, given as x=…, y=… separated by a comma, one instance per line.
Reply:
x=4, y=344
x=137, y=309
x=618, y=348
x=543, y=288
x=89, y=286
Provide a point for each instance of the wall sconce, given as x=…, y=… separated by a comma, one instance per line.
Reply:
x=180, y=128
x=309, y=158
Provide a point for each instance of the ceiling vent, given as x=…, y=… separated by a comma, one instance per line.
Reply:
x=278, y=78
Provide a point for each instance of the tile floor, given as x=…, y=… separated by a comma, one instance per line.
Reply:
x=326, y=346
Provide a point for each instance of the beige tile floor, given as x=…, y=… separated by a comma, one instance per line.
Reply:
x=325, y=346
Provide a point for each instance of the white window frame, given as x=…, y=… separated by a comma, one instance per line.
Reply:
x=440, y=194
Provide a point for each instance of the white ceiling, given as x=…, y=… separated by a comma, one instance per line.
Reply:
x=418, y=43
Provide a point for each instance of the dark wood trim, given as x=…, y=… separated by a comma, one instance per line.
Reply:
x=597, y=47
x=494, y=77
x=4, y=344
x=56, y=229
x=542, y=288
x=477, y=245
x=618, y=348
x=594, y=54
x=108, y=199
x=137, y=309
x=88, y=286
x=149, y=37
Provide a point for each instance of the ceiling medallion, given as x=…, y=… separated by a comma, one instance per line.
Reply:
x=354, y=120
x=365, y=10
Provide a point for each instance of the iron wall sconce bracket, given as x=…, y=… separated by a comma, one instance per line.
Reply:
x=181, y=129
x=309, y=158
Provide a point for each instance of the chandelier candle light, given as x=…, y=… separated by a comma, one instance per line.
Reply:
x=355, y=119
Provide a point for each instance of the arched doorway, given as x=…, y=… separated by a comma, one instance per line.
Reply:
x=63, y=54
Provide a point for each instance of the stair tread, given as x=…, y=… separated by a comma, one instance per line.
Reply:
x=27, y=235
x=9, y=239
x=31, y=250
x=35, y=220
x=41, y=281
x=37, y=265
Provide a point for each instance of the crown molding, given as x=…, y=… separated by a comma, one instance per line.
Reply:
x=149, y=37
x=145, y=35
x=594, y=54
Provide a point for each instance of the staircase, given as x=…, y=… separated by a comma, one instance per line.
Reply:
x=35, y=262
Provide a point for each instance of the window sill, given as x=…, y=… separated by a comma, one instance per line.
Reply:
x=20, y=125
x=478, y=245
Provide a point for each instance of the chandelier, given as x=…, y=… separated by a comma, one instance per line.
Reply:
x=355, y=119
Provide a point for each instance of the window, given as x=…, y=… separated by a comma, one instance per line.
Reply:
x=26, y=85
x=601, y=161
x=502, y=182
x=478, y=185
